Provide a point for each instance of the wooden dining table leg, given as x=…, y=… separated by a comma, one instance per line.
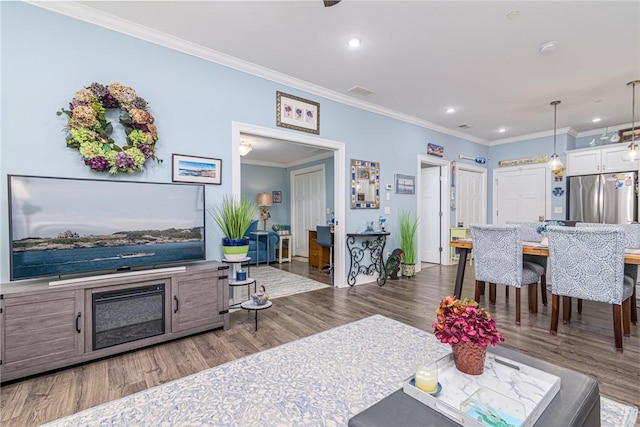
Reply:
x=462, y=261
x=555, y=309
x=492, y=293
x=634, y=307
x=617, y=326
x=626, y=317
x=518, y=294
x=566, y=309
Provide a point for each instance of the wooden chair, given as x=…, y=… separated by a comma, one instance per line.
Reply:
x=498, y=260
x=588, y=263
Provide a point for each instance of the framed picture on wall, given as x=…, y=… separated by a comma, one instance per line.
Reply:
x=277, y=196
x=297, y=113
x=405, y=184
x=201, y=170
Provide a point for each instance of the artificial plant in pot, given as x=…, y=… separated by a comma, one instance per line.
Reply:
x=408, y=242
x=234, y=216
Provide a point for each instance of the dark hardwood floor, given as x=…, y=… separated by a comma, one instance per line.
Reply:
x=585, y=345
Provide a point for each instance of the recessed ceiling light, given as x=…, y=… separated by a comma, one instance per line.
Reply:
x=354, y=42
x=451, y=110
x=514, y=14
x=596, y=119
x=502, y=130
x=548, y=47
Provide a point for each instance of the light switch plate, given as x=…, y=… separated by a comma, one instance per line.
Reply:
x=387, y=210
x=388, y=196
x=557, y=209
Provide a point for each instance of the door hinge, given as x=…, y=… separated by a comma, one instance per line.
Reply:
x=440, y=248
x=223, y=312
x=440, y=213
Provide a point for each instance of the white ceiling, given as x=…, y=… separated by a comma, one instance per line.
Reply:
x=420, y=57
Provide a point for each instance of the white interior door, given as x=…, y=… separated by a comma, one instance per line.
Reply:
x=471, y=201
x=429, y=225
x=308, y=198
x=520, y=194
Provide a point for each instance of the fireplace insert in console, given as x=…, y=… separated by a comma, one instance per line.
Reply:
x=127, y=315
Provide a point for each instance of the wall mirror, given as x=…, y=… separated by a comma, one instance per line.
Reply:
x=365, y=184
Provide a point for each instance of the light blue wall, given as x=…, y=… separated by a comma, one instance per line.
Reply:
x=47, y=57
x=265, y=179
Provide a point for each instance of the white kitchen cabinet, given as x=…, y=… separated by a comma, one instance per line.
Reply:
x=599, y=160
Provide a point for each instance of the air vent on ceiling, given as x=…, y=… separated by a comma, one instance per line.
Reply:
x=464, y=126
x=361, y=90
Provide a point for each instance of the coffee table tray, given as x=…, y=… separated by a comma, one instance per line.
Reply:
x=518, y=393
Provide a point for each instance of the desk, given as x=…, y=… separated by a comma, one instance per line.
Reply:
x=631, y=256
x=372, y=244
x=318, y=255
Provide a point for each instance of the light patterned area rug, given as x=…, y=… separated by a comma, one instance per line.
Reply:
x=279, y=283
x=321, y=380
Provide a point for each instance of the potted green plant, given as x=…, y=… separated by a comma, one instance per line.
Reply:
x=408, y=229
x=234, y=216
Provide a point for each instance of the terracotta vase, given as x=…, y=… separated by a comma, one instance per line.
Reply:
x=469, y=358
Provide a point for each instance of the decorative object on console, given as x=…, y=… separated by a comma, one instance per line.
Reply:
x=555, y=163
x=201, y=170
x=408, y=229
x=297, y=113
x=89, y=131
x=264, y=202
x=469, y=329
x=234, y=216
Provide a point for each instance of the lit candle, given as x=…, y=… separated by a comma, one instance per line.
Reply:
x=427, y=378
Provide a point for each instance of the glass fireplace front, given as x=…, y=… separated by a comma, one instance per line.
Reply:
x=128, y=315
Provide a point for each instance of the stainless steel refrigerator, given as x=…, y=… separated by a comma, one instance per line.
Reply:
x=606, y=198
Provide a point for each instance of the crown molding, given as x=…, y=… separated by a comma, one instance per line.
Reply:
x=105, y=20
x=594, y=132
x=295, y=163
x=568, y=130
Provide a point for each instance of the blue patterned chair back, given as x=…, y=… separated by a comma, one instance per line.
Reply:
x=528, y=231
x=631, y=240
x=631, y=232
x=498, y=253
x=587, y=262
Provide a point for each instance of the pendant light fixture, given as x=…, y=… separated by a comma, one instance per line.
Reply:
x=633, y=153
x=555, y=163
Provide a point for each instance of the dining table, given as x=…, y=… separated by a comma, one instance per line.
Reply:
x=465, y=245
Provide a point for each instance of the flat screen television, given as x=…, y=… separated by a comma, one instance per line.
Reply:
x=64, y=226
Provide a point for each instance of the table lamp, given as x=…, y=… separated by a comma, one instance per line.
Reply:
x=264, y=201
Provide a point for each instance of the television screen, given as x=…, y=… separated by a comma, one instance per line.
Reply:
x=63, y=226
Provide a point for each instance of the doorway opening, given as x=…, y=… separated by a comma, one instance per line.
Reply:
x=339, y=178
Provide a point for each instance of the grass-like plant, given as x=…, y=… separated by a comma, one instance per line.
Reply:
x=234, y=216
x=408, y=229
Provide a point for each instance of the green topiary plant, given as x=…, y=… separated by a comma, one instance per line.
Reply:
x=408, y=239
x=234, y=216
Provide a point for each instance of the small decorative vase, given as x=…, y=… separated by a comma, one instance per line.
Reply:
x=469, y=358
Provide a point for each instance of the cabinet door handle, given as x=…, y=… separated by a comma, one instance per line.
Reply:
x=78, y=322
x=175, y=298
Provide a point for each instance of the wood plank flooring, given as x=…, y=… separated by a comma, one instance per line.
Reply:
x=586, y=345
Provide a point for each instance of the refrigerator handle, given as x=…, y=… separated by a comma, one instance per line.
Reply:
x=600, y=185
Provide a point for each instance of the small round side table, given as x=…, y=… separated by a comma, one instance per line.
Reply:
x=249, y=305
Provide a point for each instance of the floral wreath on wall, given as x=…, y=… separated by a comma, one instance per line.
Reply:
x=90, y=132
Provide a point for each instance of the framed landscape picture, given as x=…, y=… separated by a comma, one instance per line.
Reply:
x=201, y=170
x=297, y=113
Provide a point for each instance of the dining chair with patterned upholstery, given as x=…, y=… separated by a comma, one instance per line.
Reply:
x=529, y=233
x=631, y=240
x=498, y=260
x=588, y=263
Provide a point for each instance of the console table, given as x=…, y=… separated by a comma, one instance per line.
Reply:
x=371, y=244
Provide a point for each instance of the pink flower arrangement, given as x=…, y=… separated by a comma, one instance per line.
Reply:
x=465, y=322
